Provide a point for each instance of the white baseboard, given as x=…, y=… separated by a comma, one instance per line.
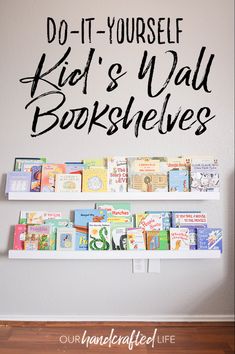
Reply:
x=115, y=318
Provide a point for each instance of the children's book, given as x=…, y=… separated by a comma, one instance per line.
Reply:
x=65, y=240
x=119, y=235
x=40, y=233
x=178, y=181
x=95, y=163
x=178, y=163
x=36, y=175
x=36, y=217
x=179, y=239
x=192, y=237
x=54, y=215
x=209, y=239
x=116, y=211
x=27, y=166
x=158, y=240
x=99, y=236
x=143, y=174
x=68, y=183
x=82, y=217
x=74, y=167
x=149, y=222
x=166, y=218
x=81, y=241
x=185, y=219
x=136, y=239
x=19, y=161
x=19, y=236
x=49, y=171
x=31, y=245
x=117, y=174
x=55, y=223
x=205, y=177
x=18, y=182
x=94, y=180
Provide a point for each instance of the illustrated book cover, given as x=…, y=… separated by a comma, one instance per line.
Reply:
x=119, y=235
x=65, y=239
x=136, y=240
x=18, y=182
x=67, y=183
x=99, y=236
x=166, y=218
x=55, y=224
x=19, y=236
x=49, y=171
x=178, y=181
x=205, y=177
x=40, y=233
x=158, y=240
x=179, y=239
x=209, y=239
x=117, y=174
x=36, y=176
x=116, y=211
x=185, y=219
x=149, y=222
x=94, y=180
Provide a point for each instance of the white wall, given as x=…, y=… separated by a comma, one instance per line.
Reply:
x=108, y=289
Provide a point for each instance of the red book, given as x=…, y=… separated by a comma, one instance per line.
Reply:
x=19, y=236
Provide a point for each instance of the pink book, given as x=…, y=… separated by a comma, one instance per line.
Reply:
x=19, y=236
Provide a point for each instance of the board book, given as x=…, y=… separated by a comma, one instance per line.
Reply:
x=205, y=177
x=136, y=239
x=19, y=236
x=116, y=211
x=179, y=239
x=82, y=217
x=158, y=240
x=94, y=180
x=99, y=236
x=209, y=239
x=36, y=176
x=49, y=171
x=149, y=222
x=178, y=181
x=18, y=182
x=65, y=240
x=67, y=183
x=40, y=233
x=119, y=235
x=55, y=223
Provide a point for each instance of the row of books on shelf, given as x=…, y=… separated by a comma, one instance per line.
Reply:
x=111, y=226
x=116, y=174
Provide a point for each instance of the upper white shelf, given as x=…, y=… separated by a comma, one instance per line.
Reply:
x=197, y=254
x=115, y=196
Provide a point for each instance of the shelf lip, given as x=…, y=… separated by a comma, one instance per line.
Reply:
x=114, y=196
x=102, y=255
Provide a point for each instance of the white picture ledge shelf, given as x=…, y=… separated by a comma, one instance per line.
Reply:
x=115, y=196
x=157, y=255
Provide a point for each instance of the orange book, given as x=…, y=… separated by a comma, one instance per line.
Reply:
x=49, y=171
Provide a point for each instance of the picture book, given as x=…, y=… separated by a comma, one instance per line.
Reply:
x=143, y=174
x=192, y=237
x=73, y=167
x=185, y=219
x=119, y=235
x=116, y=211
x=19, y=236
x=31, y=245
x=94, y=180
x=95, y=163
x=65, y=240
x=178, y=181
x=49, y=170
x=81, y=241
x=36, y=217
x=27, y=166
x=117, y=174
x=179, y=239
x=36, y=175
x=204, y=177
x=136, y=239
x=99, y=236
x=82, y=217
x=149, y=222
x=178, y=163
x=158, y=240
x=54, y=215
x=40, y=233
x=166, y=218
x=55, y=223
x=18, y=182
x=68, y=183
x=209, y=239
x=19, y=161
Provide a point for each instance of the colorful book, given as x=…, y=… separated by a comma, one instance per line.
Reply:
x=18, y=182
x=166, y=218
x=36, y=217
x=185, y=219
x=40, y=233
x=68, y=183
x=31, y=245
x=192, y=237
x=82, y=217
x=178, y=163
x=49, y=171
x=205, y=177
x=179, y=239
x=81, y=241
x=74, y=167
x=136, y=239
x=36, y=175
x=143, y=174
x=19, y=161
x=55, y=224
x=119, y=235
x=158, y=240
x=149, y=222
x=19, y=236
x=27, y=166
x=99, y=236
x=53, y=215
x=209, y=239
x=178, y=181
x=94, y=180
x=95, y=163
x=65, y=240
x=116, y=211
x=117, y=174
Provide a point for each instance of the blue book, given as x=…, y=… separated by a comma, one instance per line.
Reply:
x=82, y=217
x=18, y=182
x=166, y=218
x=36, y=176
x=192, y=237
x=209, y=239
x=189, y=218
x=178, y=181
x=73, y=167
x=81, y=241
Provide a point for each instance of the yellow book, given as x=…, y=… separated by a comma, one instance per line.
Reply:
x=94, y=180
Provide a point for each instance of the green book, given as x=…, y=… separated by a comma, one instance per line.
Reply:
x=119, y=235
x=55, y=223
x=116, y=211
x=158, y=240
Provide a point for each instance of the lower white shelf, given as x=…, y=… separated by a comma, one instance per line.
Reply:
x=198, y=254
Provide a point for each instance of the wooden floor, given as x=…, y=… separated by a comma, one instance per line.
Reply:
x=193, y=338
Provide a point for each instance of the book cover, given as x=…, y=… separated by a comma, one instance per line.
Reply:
x=179, y=239
x=166, y=218
x=36, y=175
x=74, y=167
x=192, y=237
x=185, y=219
x=49, y=171
x=143, y=174
x=209, y=239
x=116, y=211
x=158, y=240
x=82, y=217
x=19, y=236
x=55, y=223
x=31, y=245
x=68, y=183
x=178, y=163
x=65, y=239
x=149, y=222
x=19, y=161
x=99, y=236
x=205, y=177
x=18, y=182
x=95, y=163
x=136, y=239
x=94, y=180
x=117, y=174
x=81, y=241
x=27, y=166
x=54, y=215
x=119, y=235
x=40, y=233
x=178, y=181
x=36, y=217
